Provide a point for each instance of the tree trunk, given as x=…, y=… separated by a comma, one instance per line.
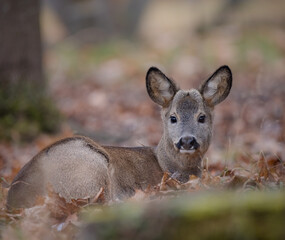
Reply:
x=25, y=108
x=20, y=43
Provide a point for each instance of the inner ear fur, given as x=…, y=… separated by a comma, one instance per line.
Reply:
x=218, y=86
x=160, y=88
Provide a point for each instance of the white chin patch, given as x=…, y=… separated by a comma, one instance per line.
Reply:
x=191, y=150
x=187, y=151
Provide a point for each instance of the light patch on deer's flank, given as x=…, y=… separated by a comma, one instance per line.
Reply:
x=77, y=158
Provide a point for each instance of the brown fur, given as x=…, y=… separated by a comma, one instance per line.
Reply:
x=78, y=167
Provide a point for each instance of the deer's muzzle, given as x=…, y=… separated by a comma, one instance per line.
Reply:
x=187, y=144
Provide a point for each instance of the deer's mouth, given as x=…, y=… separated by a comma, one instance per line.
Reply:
x=190, y=150
x=183, y=150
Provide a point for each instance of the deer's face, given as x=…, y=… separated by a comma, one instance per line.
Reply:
x=187, y=114
x=188, y=122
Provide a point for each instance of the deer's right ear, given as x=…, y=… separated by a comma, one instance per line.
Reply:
x=218, y=86
x=159, y=87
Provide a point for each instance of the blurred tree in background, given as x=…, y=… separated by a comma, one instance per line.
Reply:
x=108, y=18
x=25, y=108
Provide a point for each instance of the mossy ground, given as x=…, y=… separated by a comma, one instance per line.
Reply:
x=26, y=111
x=225, y=215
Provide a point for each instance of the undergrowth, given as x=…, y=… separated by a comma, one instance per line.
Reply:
x=26, y=111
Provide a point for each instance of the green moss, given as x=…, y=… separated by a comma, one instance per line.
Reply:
x=25, y=111
x=217, y=215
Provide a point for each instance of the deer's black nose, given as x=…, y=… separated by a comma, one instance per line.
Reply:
x=188, y=143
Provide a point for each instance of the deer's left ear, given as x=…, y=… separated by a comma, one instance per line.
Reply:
x=218, y=86
x=160, y=88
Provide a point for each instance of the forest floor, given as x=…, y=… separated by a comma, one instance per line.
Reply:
x=100, y=91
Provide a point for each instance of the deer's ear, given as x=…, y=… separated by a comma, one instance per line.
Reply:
x=218, y=86
x=159, y=87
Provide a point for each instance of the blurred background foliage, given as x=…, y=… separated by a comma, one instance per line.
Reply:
x=110, y=44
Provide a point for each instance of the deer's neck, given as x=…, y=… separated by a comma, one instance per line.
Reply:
x=180, y=165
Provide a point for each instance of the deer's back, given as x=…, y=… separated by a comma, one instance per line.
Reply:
x=78, y=167
x=132, y=168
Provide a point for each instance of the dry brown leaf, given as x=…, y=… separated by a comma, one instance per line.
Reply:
x=173, y=184
x=163, y=182
x=236, y=182
x=100, y=197
x=58, y=207
x=263, y=170
x=193, y=177
x=139, y=196
x=206, y=177
x=169, y=183
x=276, y=167
x=193, y=184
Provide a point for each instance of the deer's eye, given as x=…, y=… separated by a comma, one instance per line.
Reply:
x=201, y=118
x=173, y=119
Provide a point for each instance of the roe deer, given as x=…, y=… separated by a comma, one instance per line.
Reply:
x=78, y=167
